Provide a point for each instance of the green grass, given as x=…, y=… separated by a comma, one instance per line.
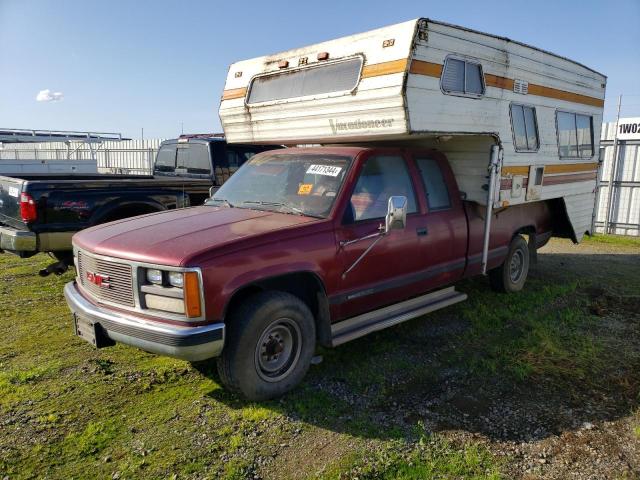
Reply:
x=67, y=409
x=545, y=331
x=432, y=457
x=621, y=240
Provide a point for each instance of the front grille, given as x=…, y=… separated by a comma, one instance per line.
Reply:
x=120, y=279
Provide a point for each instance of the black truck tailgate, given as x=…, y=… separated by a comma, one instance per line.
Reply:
x=10, y=190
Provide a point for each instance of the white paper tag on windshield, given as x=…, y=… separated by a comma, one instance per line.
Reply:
x=328, y=170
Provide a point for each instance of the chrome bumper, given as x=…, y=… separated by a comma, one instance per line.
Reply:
x=17, y=240
x=187, y=343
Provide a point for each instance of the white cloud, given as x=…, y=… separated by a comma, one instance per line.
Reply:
x=49, y=96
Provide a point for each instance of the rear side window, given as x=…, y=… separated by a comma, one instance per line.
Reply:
x=525, y=128
x=339, y=76
x=434, y=184
x=166, y=158
x=462, y=77
x=381, y=178
x=194, y=157
x=575, y=134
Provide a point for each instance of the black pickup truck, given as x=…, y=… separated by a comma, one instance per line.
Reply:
x=40, y=212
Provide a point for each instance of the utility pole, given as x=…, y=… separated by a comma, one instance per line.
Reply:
x=181, y=128
x=142, y=134
x=614, y=167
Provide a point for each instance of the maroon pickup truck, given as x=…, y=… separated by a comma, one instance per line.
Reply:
x=300, y=247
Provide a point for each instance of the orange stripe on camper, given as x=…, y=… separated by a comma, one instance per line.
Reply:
x=498, y=82
x=571, y=168
x=551, y=169
x=234, y=93
x=564, y=95
x=384, y=68
x=429, y=69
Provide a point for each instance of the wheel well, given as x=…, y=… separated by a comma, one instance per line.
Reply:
x=304, y=285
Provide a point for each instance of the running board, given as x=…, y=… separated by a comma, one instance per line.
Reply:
x=356, y=327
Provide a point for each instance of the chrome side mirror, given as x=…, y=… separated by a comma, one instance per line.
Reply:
x=396, y=218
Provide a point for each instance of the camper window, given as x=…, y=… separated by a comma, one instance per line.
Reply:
x=336, y=77
x=575, y=135
x=525, y=128
x=462, y=77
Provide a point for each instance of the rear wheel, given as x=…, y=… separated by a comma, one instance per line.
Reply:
x=269, y=345
x=511, y=275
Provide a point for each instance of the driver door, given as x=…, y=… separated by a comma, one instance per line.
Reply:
x=384, y=275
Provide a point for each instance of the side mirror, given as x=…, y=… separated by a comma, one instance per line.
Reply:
x=396, y=218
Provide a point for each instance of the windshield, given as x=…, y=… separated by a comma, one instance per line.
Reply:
x=303, y=184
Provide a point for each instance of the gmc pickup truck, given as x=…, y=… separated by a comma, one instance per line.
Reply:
x=301, y=247
x=40, y=212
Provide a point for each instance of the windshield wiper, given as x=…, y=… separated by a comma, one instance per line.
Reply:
x=291, y=208
x=223, y=200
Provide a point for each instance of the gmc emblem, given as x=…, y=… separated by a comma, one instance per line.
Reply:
x=98, y=279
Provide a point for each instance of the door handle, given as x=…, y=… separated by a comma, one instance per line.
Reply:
x=421, y=231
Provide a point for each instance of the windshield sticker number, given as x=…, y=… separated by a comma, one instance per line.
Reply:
x=305, y=188
x=328, y=170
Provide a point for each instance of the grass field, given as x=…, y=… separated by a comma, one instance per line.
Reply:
x=486, y=389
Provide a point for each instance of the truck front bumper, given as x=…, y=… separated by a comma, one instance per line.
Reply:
x=187, y=343
x=17, y=240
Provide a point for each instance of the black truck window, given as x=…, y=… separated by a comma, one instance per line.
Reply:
x=194, y=157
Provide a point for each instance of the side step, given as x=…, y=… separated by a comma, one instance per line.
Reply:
x=356, y=327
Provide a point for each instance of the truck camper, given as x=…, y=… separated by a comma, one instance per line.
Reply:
x=428, y=84
x=437, y=153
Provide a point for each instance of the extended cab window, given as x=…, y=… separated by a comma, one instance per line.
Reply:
x=381, y=178
x=434, y=184
x=194, y=158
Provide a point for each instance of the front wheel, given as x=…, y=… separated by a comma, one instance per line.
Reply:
x=511, y=275
x=269, y=346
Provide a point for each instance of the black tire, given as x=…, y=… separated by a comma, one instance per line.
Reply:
x=270, y=340
x=511, y=275
x=64, y=256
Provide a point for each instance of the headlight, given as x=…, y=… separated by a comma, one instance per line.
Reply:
x=154, y=276
x=176, y=279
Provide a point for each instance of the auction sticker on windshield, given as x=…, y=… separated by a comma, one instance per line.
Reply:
x=328, y=170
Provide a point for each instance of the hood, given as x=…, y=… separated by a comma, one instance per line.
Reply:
x=170, y=238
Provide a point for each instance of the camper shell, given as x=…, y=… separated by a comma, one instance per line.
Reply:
x=429, y=84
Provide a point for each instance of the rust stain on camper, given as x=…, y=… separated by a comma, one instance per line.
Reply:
x=234, y=93
x=384, y=68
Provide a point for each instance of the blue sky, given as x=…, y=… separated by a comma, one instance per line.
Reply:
x=124, y=65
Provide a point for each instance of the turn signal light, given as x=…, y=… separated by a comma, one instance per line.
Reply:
x=28, y=210
x=283, y=64
x=323, y=56
x=192, y=295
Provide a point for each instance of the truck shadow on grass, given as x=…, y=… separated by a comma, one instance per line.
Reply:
x=561, y=355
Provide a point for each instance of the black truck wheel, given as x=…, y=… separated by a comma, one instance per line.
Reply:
x=270, y=340
x=511, y=275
